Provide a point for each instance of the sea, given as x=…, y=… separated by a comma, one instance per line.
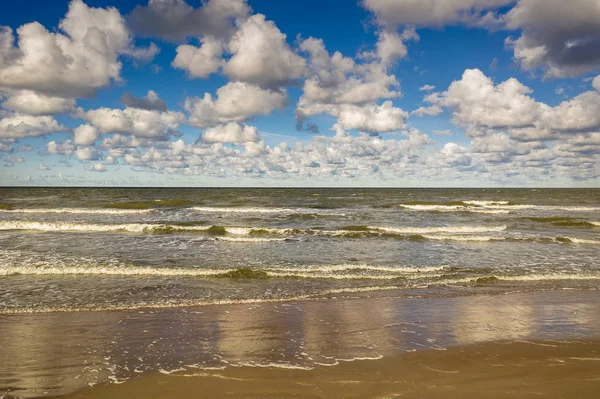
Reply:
x=87, y=249
x=102, y=285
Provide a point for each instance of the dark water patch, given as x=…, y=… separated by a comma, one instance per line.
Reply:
x=564, y=240
x=216, y=230
x=416, y=237
x=487, y=280
x=562, y=221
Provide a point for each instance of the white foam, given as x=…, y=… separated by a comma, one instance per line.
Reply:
x=87, y=269
x=453, y=208
x=267, y=210
x=463, y=238
x=443, y=229
x=496, y=207
x=576, y=240
x=79, y=211
x=486, y=203
x=250, y=239
x=49, y=226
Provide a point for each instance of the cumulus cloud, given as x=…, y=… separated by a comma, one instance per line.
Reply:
x=479, y=104
x=432, y=12
x=31, y=103
x=596, y=83
x=230, y=133
x=60, y=148
x=135, y=121
x=200, y=62
x=235, y=102
x=85, y=135
x=561, y=38
x=6, y=147
x=72, y=63
x=427, y=88
x=151, y=102
x=18, y=126
x=176, y=20
x=483, y=107
x=87, y=153
x=261, y=55
x=341, y=87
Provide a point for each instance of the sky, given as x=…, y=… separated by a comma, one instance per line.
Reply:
x=261, y=93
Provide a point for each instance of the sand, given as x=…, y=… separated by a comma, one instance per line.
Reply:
x=549, y=369
x=517, y=345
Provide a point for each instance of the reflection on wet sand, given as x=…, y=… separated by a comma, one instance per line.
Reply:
x=60, y=353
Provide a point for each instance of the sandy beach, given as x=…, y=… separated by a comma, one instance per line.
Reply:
x=549, y=369
x=512, y=345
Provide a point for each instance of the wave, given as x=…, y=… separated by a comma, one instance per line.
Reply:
x=241, y=231
x=266, y=234
x=78, y=211
x=499, y=207
x=562, y=221
x=526, y=277
x=342, y=271
x=453, y=208
x=265, y=210
x=157, y=203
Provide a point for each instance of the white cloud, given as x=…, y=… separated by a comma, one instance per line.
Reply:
x=235, y=102
x=427, y=88
x=85, y=135
x=87, y=153
x=32, y=103
x=231, y=133
x=151, y=102
x=431, y=12
x=19, y=126
x=135, y=121
x=582, y=113
x=200, y=62
x=76, y=62
x=348, y=90
x=43, y=167
x=6, y=147
x=596, y=83
x=261, y=55
x=479, y=104
x=64, y=148
x=97, y=167
x=372, y=118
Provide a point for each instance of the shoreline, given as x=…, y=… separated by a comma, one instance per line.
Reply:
x=519, y=369
x=54, y=354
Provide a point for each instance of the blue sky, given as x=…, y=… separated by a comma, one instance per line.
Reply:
x=422, y=93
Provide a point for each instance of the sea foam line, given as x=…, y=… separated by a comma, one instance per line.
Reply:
x=92, y=211
x=267, y=210
x=146, y=227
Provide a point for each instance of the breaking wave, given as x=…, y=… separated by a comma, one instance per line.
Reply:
x=492, y=207
x=89, y=211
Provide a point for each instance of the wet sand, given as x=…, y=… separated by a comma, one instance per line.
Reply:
x=519, y=344
x=550, y=369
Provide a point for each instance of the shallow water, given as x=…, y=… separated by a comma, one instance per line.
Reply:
x=46, y=354
x=70, y=249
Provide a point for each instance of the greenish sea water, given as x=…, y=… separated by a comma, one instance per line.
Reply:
x=73, y=249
